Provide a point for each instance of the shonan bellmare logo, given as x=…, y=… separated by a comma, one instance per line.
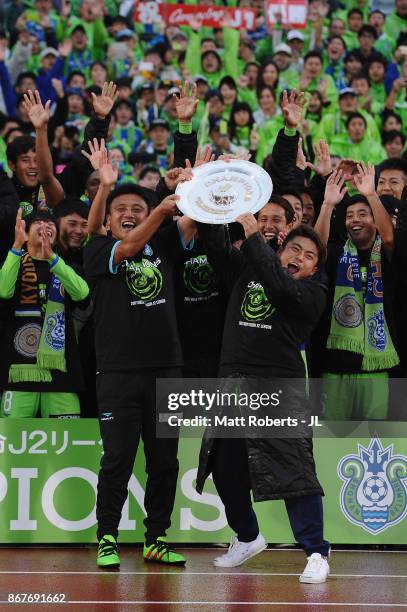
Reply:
x=374, y=492
x=199, y=277
x=255, y=305
x=144, y=279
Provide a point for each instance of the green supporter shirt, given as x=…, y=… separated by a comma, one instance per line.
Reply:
x=351, y=40
x=400, y=107
x=386, y=45
x=288, y=79
x=334, y=124
x=378, y=93
x=249, y=96
x=267, y=137
x=366, y=150
x=72, y=282
x=97, y=34
x=57, y=24
x=331, y=91
x=394, y=25
x=229, y=67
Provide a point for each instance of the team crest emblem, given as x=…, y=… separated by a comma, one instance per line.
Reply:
x=376, y=331
x=374, y=491
x=55, y=331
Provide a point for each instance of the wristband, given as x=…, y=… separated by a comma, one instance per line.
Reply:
x=17, y=252
x=289, y=131
x=185, y=127
x=53, y=260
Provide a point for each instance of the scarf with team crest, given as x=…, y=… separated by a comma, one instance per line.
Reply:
x=358, y=323
x=38, y=346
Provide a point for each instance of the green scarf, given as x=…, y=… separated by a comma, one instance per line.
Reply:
x=37, y=347
x=358, y=323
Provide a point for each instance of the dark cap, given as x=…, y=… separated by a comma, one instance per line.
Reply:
x=347, y=91
x=159, y=123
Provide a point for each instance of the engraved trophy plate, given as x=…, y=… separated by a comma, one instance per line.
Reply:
x=220, y=191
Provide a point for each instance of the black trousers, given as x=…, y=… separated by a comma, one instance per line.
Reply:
x=127, y=411
x=230, y=471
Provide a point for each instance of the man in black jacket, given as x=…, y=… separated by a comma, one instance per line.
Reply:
x=261, y=342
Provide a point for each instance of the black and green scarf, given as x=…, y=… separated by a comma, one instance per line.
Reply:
x=38, y=345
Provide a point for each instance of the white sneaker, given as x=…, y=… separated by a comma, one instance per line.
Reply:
x=316, y=570
x=239, y=552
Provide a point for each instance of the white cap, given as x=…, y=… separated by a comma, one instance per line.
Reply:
x=282, y=48
x=49, y=51
x=295, y=35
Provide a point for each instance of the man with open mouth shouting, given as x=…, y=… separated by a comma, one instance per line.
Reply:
x=129, y=262
x=274, y=303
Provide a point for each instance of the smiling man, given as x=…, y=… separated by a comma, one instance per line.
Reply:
x=40, y=369
x=392, y=178
x=274, y=218
x=72, y=221
x=130, y=267
x=357, y=335
x=275, y=301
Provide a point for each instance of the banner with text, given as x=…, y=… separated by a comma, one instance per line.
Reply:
x=49, y=470
x=183, y=14
x=287, y=12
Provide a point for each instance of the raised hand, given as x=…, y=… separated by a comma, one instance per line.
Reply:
x=301, y=161
x=323, y=165
x=103, y=104
x=187, y=103
x=38, y=114
x=46, y=246
x=20, y=236
x=175, y=176
x=335, y=189
x=254, y=140
x=242, y=154
x=203, y=156
x=364, y=179
x=169, y=206
x=95, y=152
x=248, y=222
x=107, y=172
x=58, y=86
x=65, y=47
x=195, y=23
x=292, y=107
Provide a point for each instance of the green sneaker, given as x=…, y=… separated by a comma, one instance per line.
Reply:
x=108, y=552
x=160, y=552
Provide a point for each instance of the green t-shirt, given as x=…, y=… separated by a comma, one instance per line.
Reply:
x=394, y=25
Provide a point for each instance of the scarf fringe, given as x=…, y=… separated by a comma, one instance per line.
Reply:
x=51, y=362
x=382, y=362
x=340, y=343
x=28, y=373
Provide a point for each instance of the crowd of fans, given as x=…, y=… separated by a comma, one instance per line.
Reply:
x=92, y=102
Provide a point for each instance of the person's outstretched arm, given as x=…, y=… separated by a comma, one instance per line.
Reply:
x=108, y=178
x=39, y=117
x=335, y=191
x=11, y=266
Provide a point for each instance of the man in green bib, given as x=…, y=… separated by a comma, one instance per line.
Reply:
x=357, y=332
x=40, y=369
